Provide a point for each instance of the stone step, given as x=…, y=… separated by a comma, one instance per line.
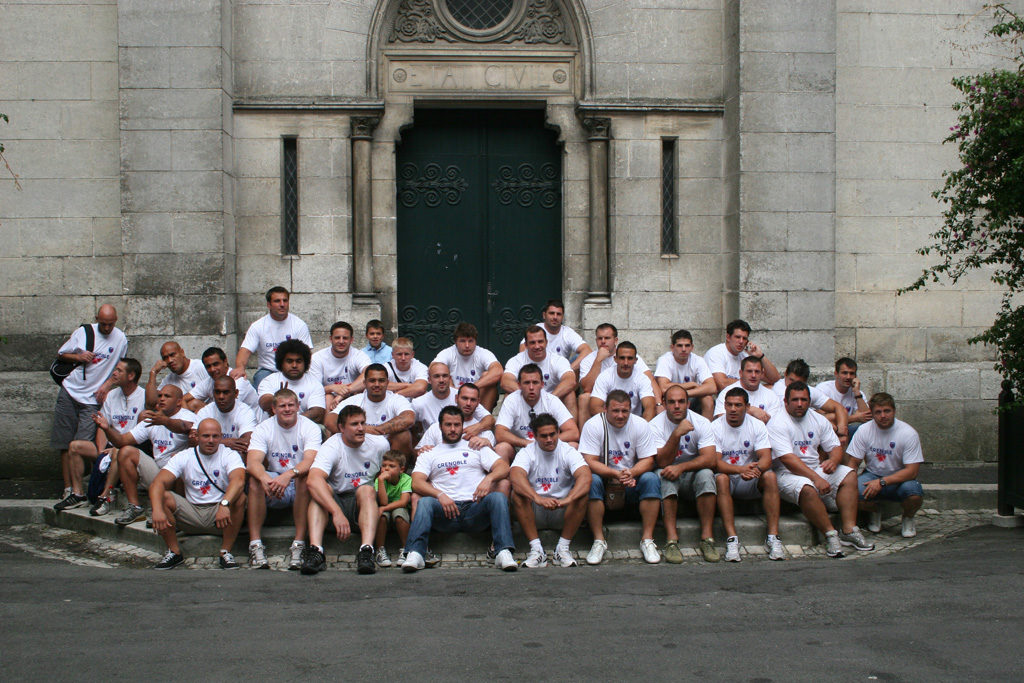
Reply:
x=621, y=535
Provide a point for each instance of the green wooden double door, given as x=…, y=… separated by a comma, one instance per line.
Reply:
x=479, y=226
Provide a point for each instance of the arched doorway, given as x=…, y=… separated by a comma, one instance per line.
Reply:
x=479, y=208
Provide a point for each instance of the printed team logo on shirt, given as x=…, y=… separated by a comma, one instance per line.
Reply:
x=733, y=459
x=761, y=406
x=192, y=384
x=686, y=378
x=287, y=336
x=383, y=418
x=366, y=464
x=204, y=488
x=686, y=438
x=283, y=460
x=626, y=444
x=546, y=376
x=631, y=394
x=880, y=456
x=110, y=349
x=810, y=435
x=161, y=447
x=452, y=469
x=302, y=395
x=472, y=372
x=746, y=444
x=529, y=433
x=616, y=459
x=892, y=444
x=295, y=448
x=558, y=349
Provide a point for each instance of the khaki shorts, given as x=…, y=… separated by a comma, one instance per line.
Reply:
x=195, y=518
x=148, y=470
x=391, y=516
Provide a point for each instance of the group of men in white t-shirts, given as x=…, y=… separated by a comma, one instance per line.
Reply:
x=581, y=431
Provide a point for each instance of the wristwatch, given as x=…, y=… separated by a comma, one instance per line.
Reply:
x=882, y=482
x=225, y=502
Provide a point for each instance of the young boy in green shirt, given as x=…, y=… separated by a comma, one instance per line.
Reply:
x=394, y=496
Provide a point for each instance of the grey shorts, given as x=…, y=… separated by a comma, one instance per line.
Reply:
x=348, y=504
x=148, y=470
x=690, y=484
x=391, y=516
x=548, y=519
x=284, y=501
x=743, y=489
x=193, y=518
x=72, y=421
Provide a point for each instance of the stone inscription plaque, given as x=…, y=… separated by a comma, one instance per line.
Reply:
x=511, y=77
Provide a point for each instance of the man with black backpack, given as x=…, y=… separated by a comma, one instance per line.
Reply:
x=86, y=361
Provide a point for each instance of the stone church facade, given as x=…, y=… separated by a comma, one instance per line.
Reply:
x=696, y=161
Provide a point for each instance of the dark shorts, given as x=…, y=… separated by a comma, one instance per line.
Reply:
x=72, y=421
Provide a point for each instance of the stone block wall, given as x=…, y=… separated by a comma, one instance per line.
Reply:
x=892, y=101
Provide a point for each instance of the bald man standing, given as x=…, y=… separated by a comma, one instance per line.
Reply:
x=96, y=352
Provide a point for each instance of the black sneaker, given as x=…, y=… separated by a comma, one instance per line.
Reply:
x=492, y=554
x=364, y=560
x=73, y=500
x=170, y=561
x=313, y=561
x=227, y=561
x=432, y=559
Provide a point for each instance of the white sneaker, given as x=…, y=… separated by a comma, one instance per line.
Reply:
x=596, y=553
x=909, y=529
x=295, y=555
x=505, y=562
x=774, y=548
x=650, y=551
x=875, y=521
x=732, y=549
x=536, y=558
x=564, y=558
x=413, y=562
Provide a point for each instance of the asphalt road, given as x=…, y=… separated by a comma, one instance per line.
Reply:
x=945, y=610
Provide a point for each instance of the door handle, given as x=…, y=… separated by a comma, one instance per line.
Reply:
x=491, y=295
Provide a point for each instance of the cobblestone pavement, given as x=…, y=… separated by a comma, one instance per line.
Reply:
x=87, y=550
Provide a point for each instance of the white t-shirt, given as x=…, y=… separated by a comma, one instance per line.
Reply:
x=348, y=468
x=329, y=369
x=415, y=373
x=466, y=369
x=801, y=437
x=609, y=362
x=456, y=469
x=122, y=412
x=201, y=489
x=626, y=446
x=266, y=334
x=695, y=370
x=739, y=445
x=165, y=442
x=515, y=413
x=284, y=447
x=432, y=437
x=429, y=405
x=637, y=385
x=719, y=359
x=700, y=437
x=238, y=422
x=308, y=388
x=553, y=367
x=187, y=381
x=378, y=413
x=886, y=451
x=85, y=380
x=848, y=399
x=246, y=394
x=550, y=474
x=762, y=397
x=818, y=398
x=564, y=342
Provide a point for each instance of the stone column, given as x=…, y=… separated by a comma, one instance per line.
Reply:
x=598, y=134
x=362, y=209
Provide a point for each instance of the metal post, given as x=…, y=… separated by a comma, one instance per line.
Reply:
x=1003, y=505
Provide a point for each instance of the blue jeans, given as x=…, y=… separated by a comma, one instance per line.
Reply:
x=901, y=491
x=492, y=512
x=261, y=375
x=648, y=485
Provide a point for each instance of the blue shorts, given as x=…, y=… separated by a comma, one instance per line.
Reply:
x=647, y=486
x=900, y=491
